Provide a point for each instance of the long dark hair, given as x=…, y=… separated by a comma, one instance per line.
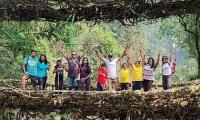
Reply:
x=83, y=63
x=153, y=63
x=45, y=60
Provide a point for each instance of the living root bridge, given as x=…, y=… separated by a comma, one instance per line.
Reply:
x=181, y=103
x=104, y=10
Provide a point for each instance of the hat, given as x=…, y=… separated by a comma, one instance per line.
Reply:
x=58, y=59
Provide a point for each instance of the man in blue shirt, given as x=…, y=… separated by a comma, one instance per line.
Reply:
x=29, y=69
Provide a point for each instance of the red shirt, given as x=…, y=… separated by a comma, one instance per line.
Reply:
x=102, y=75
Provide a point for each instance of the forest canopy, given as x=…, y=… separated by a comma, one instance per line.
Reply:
x=19, y=38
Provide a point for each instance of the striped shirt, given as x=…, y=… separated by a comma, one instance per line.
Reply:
x=148, y=73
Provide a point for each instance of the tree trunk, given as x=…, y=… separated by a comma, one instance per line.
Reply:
x=1, y=113
x=198, y=53
x=197, y=42
x=198, y=65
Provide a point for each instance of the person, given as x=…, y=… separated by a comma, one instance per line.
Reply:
x=42, y=68
x=167, y=70
x=85, y=73
x=59, y=71
x=73, y=63
x=29, y=69
x=137, y=73
x=111, y=64
x=149, y=71
x=124, y=75
x=102, y=82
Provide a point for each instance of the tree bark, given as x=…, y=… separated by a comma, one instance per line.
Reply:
x=197, y=42
x=195, y=33
x=198, y=53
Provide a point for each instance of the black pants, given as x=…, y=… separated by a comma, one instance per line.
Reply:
x=59, y=82
x=100, y=87
x=166, y=82
x=42, y=82
x=124, y=86
x=147, y=85
x=136, y=85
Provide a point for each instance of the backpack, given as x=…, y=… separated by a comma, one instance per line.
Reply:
x=25, y=65
x=174, y=66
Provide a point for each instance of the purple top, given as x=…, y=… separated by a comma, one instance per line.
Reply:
x=85, y=71
x=73, y=67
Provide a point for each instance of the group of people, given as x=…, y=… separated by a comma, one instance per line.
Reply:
x=137, y=74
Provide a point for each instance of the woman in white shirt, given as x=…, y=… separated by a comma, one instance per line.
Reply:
x=111, y=64
x=166, y=73
x=167, y=70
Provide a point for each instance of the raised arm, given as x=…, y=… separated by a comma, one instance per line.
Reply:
x=121, y=61
x=123, y=54
x=100, y=62
x=130, y=61
x=85, y=51
x=158, y=57
x=99, y=55
x=64, y=53
x=143, y=56
x=170, y=54
x=172, y=50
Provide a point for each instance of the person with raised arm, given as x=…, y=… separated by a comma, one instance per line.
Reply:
x=73, y=63
x=111, y=63
x=137, y=73
x=167, y=70
x=149, y=70
x=124, y=74
x=102, y=80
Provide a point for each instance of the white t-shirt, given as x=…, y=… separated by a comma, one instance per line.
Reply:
x=166, y=69
x=111, y=67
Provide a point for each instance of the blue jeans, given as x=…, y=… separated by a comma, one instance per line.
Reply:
x=136, y=85
x=42, y=82
x=100, y=87
x=71, y=83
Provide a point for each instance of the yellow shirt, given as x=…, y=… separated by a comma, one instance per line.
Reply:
x=124, y=75
x=137, y=73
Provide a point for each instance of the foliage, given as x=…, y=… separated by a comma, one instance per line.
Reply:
x=17, y=39
x=183, y=30
x=14, y=44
